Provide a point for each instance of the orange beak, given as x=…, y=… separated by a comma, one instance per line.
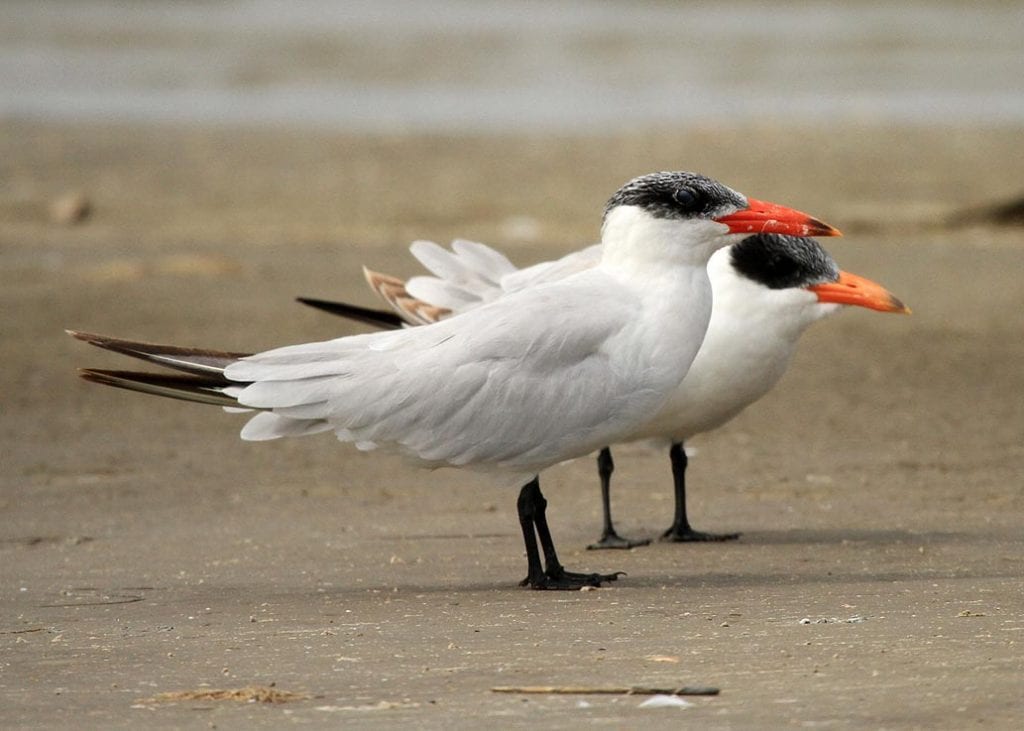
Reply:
x=859, y=292
x=761, y=217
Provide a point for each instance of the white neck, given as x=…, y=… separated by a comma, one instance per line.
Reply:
x=633, y=239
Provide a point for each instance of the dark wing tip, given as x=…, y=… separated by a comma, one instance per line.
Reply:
x=365, y=315
x=152, y=351
x=190, y=387
x=85, y=337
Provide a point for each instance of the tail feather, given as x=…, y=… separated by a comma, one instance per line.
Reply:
x=203, y=389
x=198, y=361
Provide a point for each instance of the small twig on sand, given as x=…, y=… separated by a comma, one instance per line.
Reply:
x=252, y=694
x=588, y=690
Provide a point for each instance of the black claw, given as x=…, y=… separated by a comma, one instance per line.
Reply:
x=563, y=580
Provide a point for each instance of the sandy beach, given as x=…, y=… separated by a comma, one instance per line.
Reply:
x=144, y=549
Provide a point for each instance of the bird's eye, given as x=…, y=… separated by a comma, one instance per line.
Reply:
x=686, y=198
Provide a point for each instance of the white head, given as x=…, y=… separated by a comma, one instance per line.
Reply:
x=685, y=217
x=789, y=281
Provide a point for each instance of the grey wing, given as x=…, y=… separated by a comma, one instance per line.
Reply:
x=525, y=380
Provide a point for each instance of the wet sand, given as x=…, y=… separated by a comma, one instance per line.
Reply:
x=144, y=549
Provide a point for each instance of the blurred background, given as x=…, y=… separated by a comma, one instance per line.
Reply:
x=489, y=65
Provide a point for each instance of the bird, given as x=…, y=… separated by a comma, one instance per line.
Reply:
x=539, y=376
x=767, y=290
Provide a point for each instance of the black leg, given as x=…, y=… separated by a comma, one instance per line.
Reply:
x=681, y=532
x=525, y=506
x=609, y=538
x=532, y=516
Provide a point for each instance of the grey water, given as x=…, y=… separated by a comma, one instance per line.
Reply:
x=513, y=65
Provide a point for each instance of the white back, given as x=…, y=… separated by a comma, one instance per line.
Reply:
x=751, y=337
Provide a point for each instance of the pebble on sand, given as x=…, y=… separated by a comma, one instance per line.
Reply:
x=70, y=209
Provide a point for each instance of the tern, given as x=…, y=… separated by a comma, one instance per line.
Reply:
x=767, y=290
x=541, y=375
